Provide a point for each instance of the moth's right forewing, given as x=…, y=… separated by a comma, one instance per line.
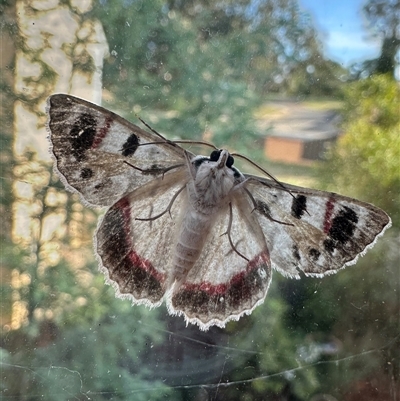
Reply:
x=91, y=144
x=323, y=232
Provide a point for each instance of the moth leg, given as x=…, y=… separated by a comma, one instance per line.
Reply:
x=154, y=170
x=231, y=250
x=228, y=232
x=192, y=170
x=243, y=185
x=168, y=209
x=264, y=210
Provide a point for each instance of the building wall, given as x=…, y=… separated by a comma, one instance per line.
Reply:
x=282, y=149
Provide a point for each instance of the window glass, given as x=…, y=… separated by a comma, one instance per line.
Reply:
x=305, y=89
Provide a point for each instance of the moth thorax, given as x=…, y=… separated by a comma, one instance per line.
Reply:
x=212, y=185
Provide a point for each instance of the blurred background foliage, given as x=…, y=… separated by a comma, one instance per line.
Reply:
x=370, y=148
x=200, y=70
x=212, y=63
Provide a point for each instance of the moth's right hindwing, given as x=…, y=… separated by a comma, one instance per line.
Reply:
x=90, y=145
x=229, y=279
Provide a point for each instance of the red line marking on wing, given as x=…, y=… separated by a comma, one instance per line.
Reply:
x=220, y=289
x=134, y=257
x=210, y=288
x=262, y=258
x=328, y=214
x=102, y=132
x=146, y=265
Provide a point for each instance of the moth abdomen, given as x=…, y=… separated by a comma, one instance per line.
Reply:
x=193, y=234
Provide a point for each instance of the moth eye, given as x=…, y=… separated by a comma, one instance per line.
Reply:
x=199, y=161
x=230, y=161
x=236, y=173
x=214, y=157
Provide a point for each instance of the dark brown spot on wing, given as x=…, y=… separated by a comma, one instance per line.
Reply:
x=99, y=186
x=296, y=253
x=130, y=146
x=342, y=229
x=82, y=135
x=86, y=173
x=314, y=254
x=263, y=208
x=299, y=206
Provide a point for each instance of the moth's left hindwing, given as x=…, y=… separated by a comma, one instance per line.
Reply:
x=90, y=145
x=135, y=253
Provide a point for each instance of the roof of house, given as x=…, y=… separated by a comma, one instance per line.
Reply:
x=293, y=120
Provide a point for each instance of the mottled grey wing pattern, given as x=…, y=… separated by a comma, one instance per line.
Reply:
x=91, y=145
x=258, y=224
x=323, y=232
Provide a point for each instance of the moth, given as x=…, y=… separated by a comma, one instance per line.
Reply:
x=192, y=230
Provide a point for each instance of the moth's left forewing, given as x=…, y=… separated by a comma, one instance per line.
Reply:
x=324, y=231
x=91, y=145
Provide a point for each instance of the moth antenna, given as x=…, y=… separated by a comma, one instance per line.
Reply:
x=228, y=232
x=151, y=129
x=154, y=170
x=268, y=216
x=266, y=173
x=254, y=164
x=168, y=209
x=204, y=143
x=187, y=141
x=167, y=141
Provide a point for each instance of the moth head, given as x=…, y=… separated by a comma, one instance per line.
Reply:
x=215, y=173
x=222, y=157
x=219, y=158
